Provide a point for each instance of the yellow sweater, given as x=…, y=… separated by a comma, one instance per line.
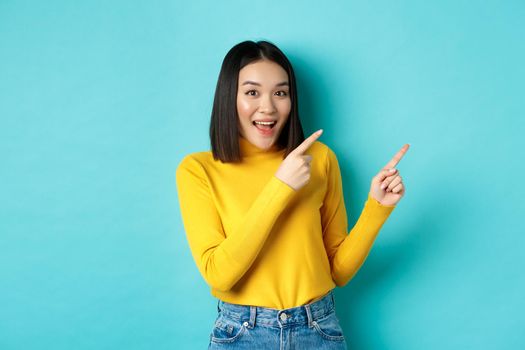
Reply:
x=257, y=241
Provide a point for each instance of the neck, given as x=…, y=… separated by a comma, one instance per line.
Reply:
x=248, y=149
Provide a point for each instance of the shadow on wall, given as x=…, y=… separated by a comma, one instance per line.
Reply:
x=317, y=101
x=408, y=249
x=411, y=247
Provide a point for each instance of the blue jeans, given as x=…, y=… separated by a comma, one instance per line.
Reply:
x=309, y=326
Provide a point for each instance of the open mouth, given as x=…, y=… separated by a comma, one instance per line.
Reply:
x=264, y=125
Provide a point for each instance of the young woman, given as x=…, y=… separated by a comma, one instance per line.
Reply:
x=264, y=212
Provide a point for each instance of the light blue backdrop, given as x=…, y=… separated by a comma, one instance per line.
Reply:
x=100, y=100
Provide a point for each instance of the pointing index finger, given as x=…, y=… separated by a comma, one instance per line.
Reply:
x=303, y=147
x=395, y=160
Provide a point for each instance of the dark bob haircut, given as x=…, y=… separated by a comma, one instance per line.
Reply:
x=224, y=125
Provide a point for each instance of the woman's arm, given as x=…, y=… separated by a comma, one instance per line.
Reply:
x=347, y=252
x=222, y=260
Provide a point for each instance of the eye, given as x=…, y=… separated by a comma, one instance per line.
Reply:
x=282, y=93
x=251, y=93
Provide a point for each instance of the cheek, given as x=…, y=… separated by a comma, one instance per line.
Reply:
x=285, y=107
x=244, y=108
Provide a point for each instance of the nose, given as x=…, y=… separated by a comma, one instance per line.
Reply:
x=267, y=106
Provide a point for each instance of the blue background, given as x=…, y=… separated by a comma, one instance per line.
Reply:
x=99, y=101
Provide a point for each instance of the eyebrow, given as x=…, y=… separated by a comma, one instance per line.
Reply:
x=249, y=82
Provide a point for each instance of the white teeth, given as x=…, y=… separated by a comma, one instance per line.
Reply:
x=264, y=123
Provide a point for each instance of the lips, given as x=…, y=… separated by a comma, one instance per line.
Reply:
x=265, y=130
x=264, y=124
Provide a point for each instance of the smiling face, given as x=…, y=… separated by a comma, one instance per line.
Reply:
x=263, y=96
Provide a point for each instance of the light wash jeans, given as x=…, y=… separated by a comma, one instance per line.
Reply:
x=310, y=326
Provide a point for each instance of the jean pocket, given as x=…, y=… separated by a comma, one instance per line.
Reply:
x=227, y=330
x=329, y=328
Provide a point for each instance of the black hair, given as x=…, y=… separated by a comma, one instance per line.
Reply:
x=224, y=126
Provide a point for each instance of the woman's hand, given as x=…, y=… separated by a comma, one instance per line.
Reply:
x=387, y=186
x=295, y=168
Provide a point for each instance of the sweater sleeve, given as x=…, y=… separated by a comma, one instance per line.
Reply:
x=223, y=259
x=347, y=252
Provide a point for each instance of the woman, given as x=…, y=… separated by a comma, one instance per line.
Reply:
x=264, y=212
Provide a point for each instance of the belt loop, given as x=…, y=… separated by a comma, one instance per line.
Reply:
x=309, y=315
x=218, y=308
x=333, y=299
x=253, y=312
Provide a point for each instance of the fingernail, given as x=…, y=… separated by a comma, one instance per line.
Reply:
x=383, y=186
x=392, y=170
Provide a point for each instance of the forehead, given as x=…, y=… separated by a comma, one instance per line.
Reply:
x=263, y=72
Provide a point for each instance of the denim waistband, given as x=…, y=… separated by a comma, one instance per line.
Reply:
x=304, y=314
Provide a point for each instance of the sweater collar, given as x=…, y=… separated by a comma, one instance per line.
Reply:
x=249, y=149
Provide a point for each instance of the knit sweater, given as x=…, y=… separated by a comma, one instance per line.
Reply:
x=257, y=241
